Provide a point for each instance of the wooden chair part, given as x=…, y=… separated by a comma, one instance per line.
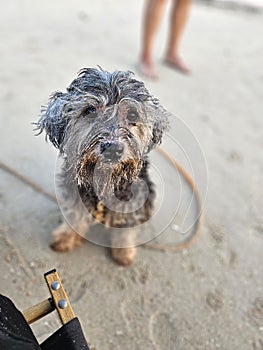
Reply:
x=59, y=301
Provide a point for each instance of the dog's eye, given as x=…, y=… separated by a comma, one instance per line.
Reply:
x=132, y=117
x=89, y=112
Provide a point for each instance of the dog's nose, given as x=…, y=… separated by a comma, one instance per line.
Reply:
x=112, y=151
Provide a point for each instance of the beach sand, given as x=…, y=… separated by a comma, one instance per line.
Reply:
x=206, y=296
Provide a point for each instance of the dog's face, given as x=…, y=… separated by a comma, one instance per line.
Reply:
x=105, y=124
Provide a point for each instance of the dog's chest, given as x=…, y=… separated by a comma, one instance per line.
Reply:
x=115, y=215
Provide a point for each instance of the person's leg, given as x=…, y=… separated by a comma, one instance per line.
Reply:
x=179, y=17
x=152, y=17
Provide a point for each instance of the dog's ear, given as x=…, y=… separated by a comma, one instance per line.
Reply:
x=160, y=124
x=159, y=127
x=52, y=119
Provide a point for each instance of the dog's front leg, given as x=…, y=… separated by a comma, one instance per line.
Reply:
x=123, y=248
x=66, y=237
x=76, y=222
x=123, y=256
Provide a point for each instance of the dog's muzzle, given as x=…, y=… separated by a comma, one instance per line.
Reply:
x=111, y=151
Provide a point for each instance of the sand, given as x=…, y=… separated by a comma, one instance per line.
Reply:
x=207, y=296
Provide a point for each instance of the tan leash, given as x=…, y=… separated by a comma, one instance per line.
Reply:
x=197, y=225
x=27, y=181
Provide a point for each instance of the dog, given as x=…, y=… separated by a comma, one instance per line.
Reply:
x=104, y=126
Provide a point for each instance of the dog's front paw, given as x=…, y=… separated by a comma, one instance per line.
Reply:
x=65, y=239
x=123, y=256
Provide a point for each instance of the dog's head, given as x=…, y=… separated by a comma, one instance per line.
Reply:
x=104, y=121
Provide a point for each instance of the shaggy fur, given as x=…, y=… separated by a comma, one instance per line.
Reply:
x=104, y=126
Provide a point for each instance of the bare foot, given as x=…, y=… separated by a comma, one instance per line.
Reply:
x=147, y=69
x=123, y=256
x=65, y=239
x=176, y=62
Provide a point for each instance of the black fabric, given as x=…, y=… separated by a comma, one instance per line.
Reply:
x=68, y=337
x=15, y=334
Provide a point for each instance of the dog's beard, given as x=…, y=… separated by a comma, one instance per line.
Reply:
x=107, y=178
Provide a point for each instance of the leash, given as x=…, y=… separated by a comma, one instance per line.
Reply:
x=197, y=225
x=27, y=181
x=153, y=246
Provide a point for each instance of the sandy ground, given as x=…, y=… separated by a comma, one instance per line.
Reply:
x=208, y=296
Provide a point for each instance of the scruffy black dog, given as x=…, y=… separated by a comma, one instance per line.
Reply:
x=104, y=126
